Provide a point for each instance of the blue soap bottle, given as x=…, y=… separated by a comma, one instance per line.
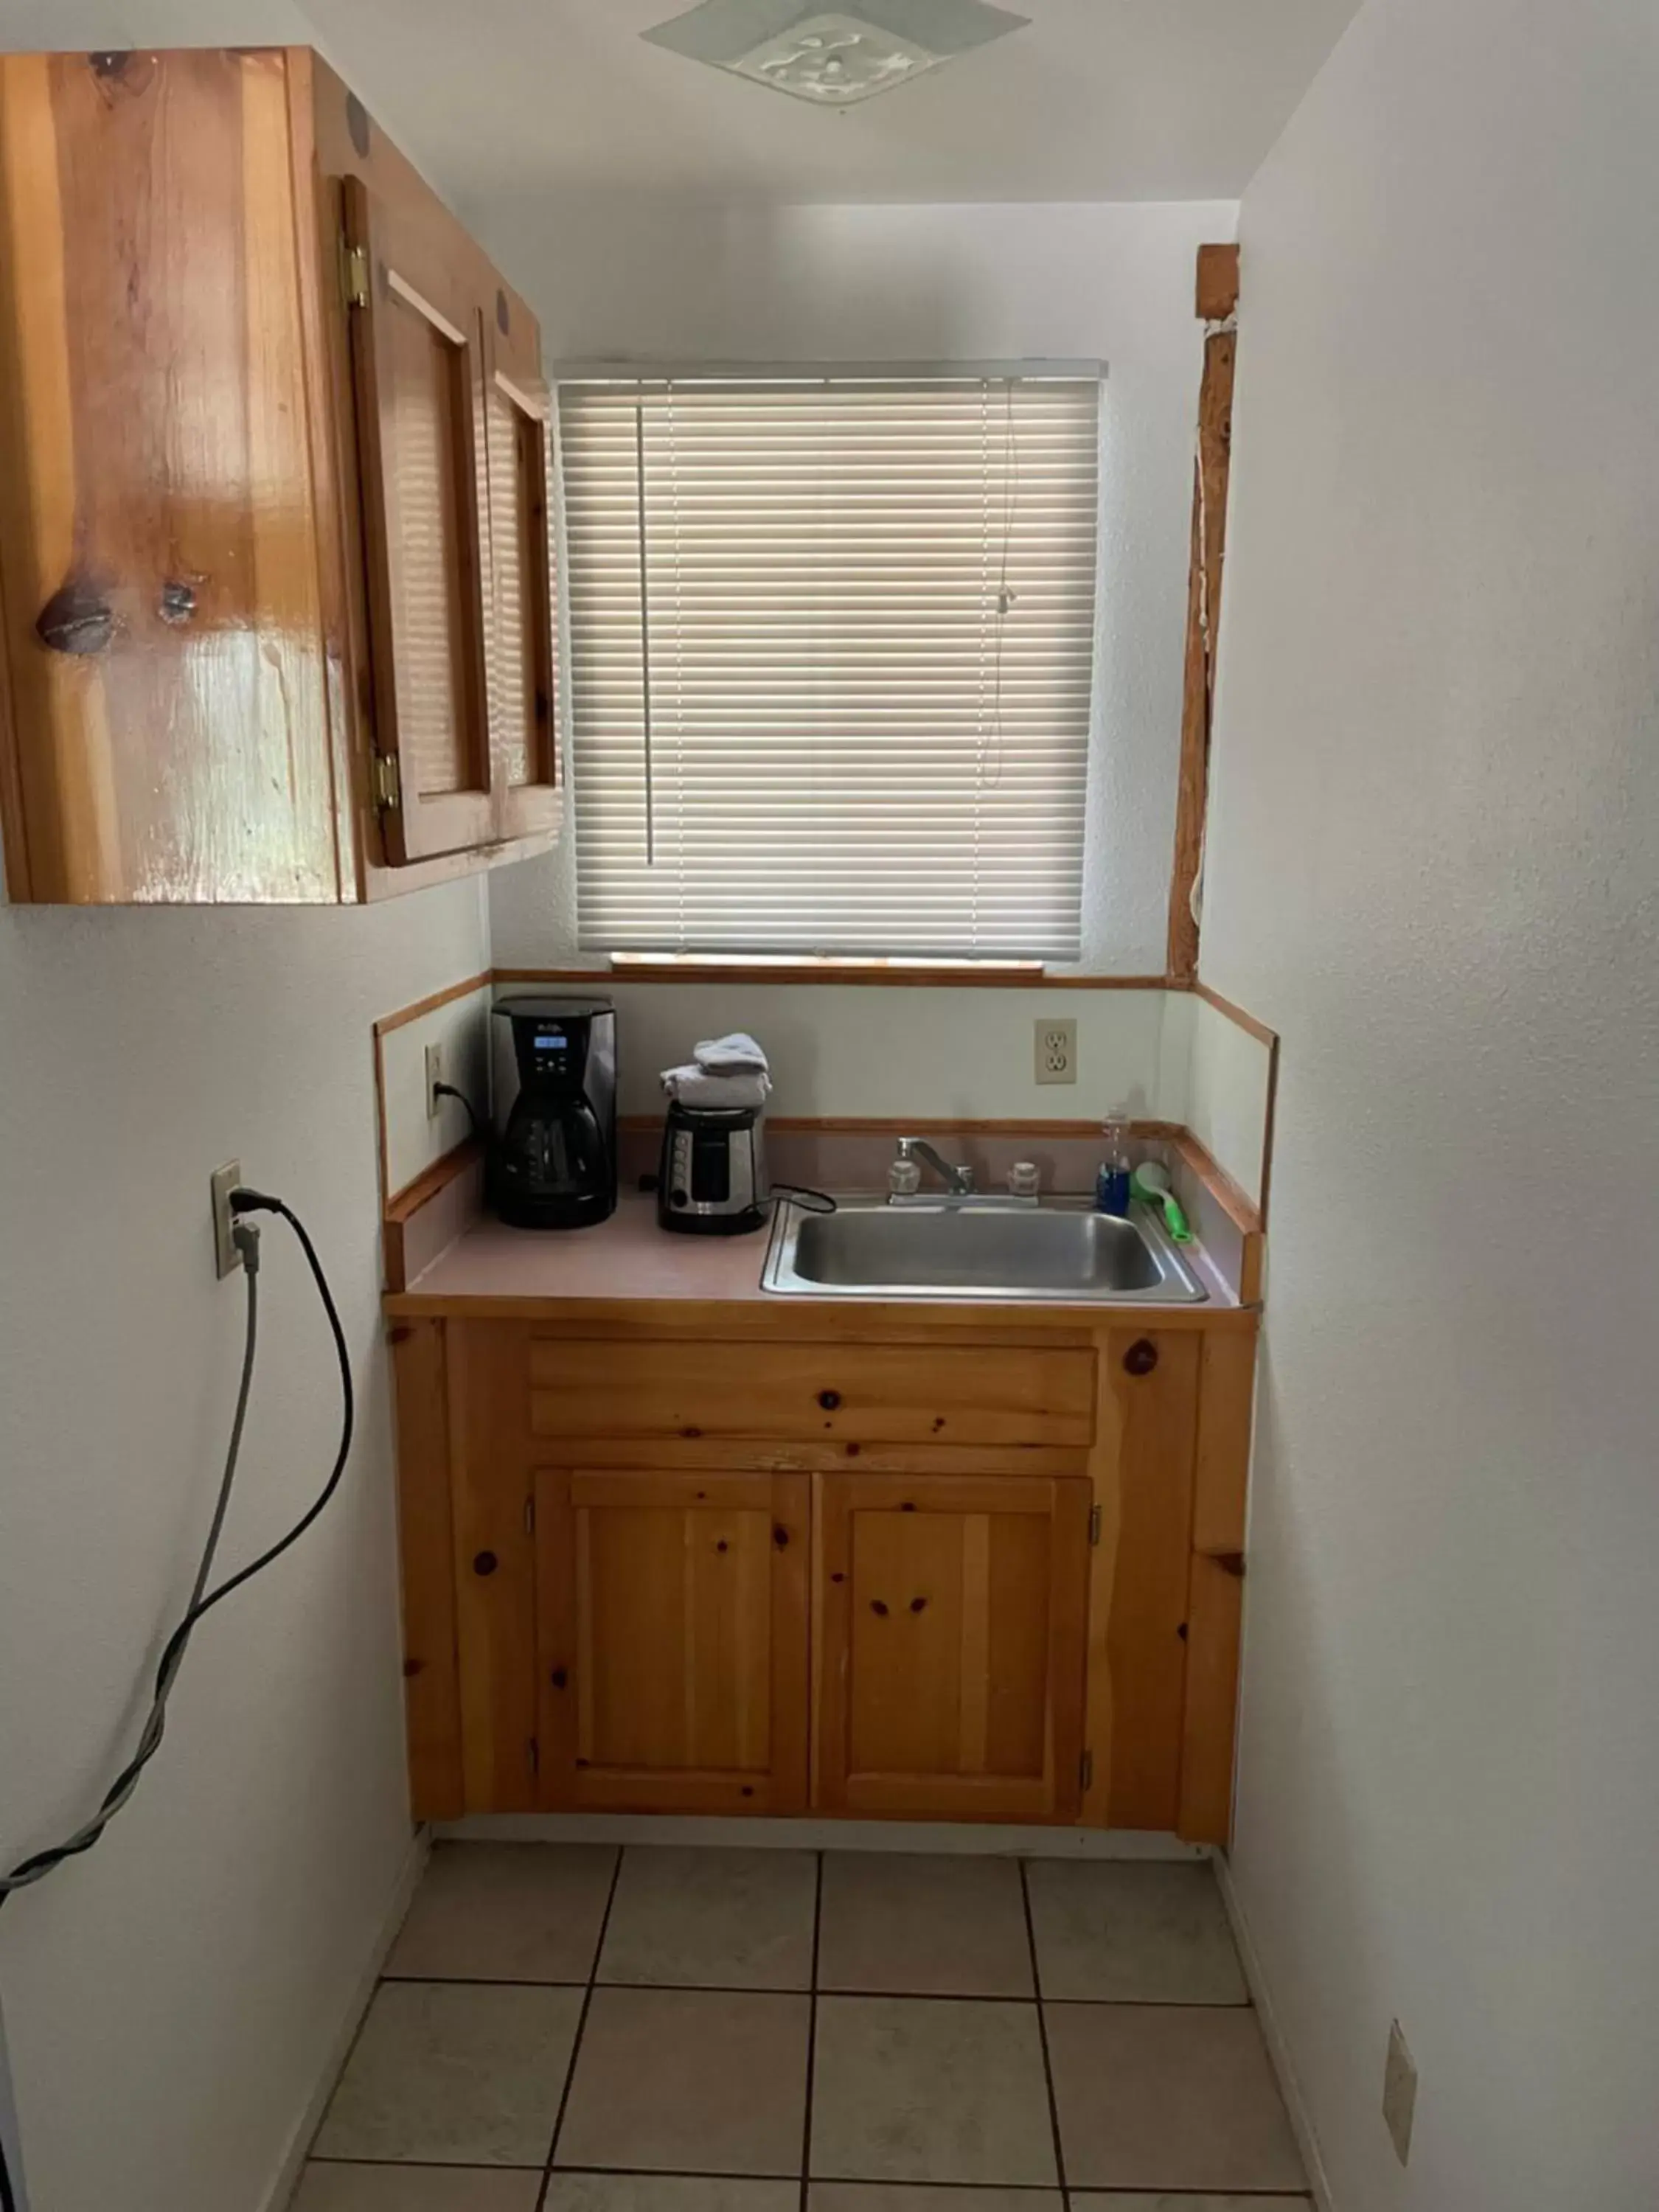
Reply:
x=1112, y=1178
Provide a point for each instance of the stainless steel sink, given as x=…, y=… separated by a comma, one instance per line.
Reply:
x=976, y=1248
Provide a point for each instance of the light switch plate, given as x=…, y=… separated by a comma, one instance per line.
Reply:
x=1056, y=1050
x=1399, y=2093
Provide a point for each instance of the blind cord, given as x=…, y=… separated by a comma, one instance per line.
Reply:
x=245, y=1234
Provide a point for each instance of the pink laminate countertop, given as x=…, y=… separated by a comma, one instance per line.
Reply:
x=628, y=1260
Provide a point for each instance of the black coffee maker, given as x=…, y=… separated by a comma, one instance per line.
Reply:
x=553, y=1161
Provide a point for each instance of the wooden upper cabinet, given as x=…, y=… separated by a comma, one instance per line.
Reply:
x=951, y=1619
x=240, y=572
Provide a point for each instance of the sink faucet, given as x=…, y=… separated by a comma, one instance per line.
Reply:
x=958, y=1181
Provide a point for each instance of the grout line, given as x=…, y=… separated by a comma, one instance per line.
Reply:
x=1043, y=2035
x=684, y=2173
x=581, y=2030
x=811, y=2036
x=801, y=1990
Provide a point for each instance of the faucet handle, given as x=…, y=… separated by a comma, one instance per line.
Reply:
x=905, y=1175
x=907, y=1148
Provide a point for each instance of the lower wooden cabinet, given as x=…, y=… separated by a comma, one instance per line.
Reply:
x=974, y=1573
x=671, y=1640
x=952, y=1615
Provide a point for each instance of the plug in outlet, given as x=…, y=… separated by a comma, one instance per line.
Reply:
x=434, y=1075
x=1399, y=2093
x=221, y=1183
x=1056, y=1051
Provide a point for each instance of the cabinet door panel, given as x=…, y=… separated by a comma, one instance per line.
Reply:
x=163, y=634
x=521, y=662
x=672, y=1640
x=418, y=350
x=952, y=1645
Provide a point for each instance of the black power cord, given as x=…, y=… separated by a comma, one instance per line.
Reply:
x=203, y=1600
x=448, y=1090
x=801, y=1193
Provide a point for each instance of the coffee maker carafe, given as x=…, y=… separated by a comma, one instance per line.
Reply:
x=553, y=1160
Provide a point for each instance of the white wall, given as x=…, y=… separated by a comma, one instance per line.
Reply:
x=944, y=1052
x=1432, y=865
x=170, y=1998
x=652, y=281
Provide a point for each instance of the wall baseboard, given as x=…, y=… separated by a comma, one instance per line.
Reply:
x=286, y=2180
x=1278, y=2050
x=987, y=1840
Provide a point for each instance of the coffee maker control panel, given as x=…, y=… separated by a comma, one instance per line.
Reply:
x=551, y=1054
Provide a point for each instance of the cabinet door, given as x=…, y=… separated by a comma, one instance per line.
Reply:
x=523, y=760
x=952, y=1615
x=672, y=1641
x=418, y=353
x=161, y=629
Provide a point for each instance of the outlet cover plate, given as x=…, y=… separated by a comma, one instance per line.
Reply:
x=434, y=1075
x=221, y=1183
x=1056, y=1043
x=1399, y=2093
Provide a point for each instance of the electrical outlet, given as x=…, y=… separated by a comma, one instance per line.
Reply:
x=1056, y=1051
x=221, y=1183
x=434, y=1075
x=1399, y=2093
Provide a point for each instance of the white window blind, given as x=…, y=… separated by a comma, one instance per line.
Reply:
x=831, y=656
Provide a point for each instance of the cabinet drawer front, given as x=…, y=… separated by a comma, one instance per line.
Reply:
x=861, y=1393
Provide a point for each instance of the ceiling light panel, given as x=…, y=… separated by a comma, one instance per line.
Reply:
x=832, y=56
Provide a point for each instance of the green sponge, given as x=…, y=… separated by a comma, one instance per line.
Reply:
x=1151, y=1182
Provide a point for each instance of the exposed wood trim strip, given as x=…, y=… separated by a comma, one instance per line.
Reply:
x=1010, y=979
x=434, y=999
x=1217, y=299
x=1217, y=295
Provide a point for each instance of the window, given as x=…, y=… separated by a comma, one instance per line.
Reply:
x=831, y=656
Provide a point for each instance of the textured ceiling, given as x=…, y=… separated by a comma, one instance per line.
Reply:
x=1094, y=100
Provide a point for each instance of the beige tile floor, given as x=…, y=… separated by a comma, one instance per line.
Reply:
x=571, y=2028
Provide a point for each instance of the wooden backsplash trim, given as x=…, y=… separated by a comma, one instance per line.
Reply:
x=1264, y=1036
x=1248, y=1023
x=1240, y=1208
x=433, y=1000
x=433, y=1178
x=1012, y=979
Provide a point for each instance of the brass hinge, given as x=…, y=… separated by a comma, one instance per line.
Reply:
x=386, y=785
x=354, y=273
x=1094, y=1524
x=1085, y=1770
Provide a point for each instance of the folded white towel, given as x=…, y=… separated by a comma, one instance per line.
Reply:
x=736, y=1055
x=696, y=1086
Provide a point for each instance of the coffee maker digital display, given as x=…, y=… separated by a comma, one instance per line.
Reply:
x=553, y=1156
